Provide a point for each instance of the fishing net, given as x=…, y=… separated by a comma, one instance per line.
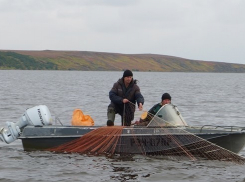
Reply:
x=128, y=114
x=159, y=137
x=103, y=140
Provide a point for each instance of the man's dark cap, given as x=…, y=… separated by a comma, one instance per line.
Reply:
x=127, y=73
x=166, y=96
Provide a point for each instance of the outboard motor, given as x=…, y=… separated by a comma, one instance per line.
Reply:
x=36, y=116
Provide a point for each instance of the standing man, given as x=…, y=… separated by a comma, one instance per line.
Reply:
x=123, y=95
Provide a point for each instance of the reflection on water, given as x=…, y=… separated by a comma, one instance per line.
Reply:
x=202, y=98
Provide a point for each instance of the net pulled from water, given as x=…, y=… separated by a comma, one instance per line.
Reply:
x=159, y=137
x=103, y=140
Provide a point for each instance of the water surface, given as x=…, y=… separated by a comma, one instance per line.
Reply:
x=202, y=98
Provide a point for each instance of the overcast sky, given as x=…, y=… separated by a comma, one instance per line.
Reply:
x=210, y=30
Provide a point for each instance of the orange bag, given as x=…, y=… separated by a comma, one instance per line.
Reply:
x=79, y=119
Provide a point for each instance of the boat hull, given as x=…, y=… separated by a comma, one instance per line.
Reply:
x=133, y=139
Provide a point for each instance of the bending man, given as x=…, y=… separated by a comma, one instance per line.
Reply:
x=124, y=95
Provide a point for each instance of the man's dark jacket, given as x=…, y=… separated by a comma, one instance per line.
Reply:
x=120, y=92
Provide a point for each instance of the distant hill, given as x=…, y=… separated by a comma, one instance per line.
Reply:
x=100, y=61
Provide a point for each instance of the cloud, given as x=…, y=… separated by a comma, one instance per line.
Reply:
x=194, y=29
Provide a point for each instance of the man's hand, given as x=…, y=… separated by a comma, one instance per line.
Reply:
x=140, y=106
x=125, y=101
x=135, y=123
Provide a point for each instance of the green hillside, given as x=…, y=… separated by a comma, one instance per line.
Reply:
x=98, y=61
x=12, y=60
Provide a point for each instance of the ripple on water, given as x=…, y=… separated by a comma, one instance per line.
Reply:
x=204, y=98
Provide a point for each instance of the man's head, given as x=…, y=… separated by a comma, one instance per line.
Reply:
x=127, y=73
x=127, y=76
x=166, y=98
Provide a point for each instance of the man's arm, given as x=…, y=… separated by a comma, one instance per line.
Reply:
x=139, y=97
x=113, y=95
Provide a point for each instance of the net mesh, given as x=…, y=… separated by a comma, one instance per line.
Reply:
x=163, y=140
x=128, y=114
x=102, y=140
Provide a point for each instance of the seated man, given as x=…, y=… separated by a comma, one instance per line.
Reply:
x=146, y=118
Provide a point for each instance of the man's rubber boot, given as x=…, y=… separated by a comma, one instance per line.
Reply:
x=110, y=123
x=110, y=116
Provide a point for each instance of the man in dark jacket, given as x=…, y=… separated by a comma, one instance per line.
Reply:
x=166, y=99
x=123, y=95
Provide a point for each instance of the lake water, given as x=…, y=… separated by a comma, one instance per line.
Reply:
x=202, y=98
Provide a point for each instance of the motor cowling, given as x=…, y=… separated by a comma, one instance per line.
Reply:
x=37, y=116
